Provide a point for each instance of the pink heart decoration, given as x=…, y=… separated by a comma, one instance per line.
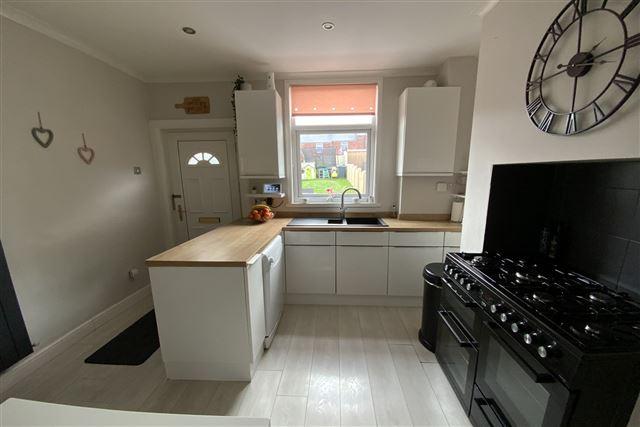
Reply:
x=86, y=154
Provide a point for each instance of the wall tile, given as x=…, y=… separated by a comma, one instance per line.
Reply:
x=630, y=275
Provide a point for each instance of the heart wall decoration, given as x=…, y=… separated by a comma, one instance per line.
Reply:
x=86, y=154
x=43, y=136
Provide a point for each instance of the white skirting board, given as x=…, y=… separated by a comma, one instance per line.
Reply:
x=35, y=360
x=377, y=300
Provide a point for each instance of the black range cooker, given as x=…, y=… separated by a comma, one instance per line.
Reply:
x=525, y=342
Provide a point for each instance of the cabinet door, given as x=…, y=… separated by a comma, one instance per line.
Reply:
x=361, y=270
x=429, y=128
x=260, y=134
x=311, y=269
x=405, y=269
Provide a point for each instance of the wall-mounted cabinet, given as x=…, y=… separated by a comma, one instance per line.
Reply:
x=427, y=131
x=260, y=134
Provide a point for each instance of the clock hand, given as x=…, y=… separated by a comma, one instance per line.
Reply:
x=584, y=64
x=597, y=44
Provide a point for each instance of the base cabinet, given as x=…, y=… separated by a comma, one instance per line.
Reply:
x=405, y=269
x=361, y=270
x=310, y=269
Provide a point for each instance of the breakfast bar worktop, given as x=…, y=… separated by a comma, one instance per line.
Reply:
x=235, y=244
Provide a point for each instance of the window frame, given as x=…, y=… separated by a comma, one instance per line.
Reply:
x=349, y=197
x=293, y=148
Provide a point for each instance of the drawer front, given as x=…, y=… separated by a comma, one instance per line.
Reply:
x=423, y=238
x=310, y=238
x=362, y=238
x=452, y=239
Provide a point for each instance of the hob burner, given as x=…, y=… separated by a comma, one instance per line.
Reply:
x=543, y=297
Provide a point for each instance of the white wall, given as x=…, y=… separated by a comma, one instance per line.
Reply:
x=419, y=194
x=71, y=232
x=502, y=132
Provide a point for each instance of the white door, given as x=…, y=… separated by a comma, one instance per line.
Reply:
x=204, y=170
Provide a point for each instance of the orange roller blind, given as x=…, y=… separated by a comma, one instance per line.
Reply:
x=333, y=99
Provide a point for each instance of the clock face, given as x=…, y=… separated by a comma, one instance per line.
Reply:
x=586, y=66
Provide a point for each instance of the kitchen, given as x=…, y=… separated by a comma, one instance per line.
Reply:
x=138, y=121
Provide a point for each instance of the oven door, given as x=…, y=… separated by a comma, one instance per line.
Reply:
x=456, y=350
x=513, y=388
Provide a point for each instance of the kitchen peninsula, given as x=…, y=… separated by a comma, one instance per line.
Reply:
x=208, y=294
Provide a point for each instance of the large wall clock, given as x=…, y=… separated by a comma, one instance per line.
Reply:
x=586, y=66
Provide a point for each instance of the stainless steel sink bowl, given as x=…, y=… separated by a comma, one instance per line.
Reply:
x=337, y=222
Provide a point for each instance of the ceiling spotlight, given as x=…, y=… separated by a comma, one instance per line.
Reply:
x=328, y=26
x=188, y=30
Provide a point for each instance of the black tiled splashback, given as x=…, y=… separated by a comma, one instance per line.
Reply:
x=592, y=208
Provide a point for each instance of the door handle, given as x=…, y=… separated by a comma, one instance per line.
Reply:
x=461, y=342
x=173, y=200
x=180, y=213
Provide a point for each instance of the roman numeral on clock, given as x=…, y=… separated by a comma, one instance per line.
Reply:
x=534, y=106
x=633, y=41
x=556, y=31
x=598, y=114
x=545, y=123
x=571, y=124
x=580, y=8
x=534, y=84
x=625, y=83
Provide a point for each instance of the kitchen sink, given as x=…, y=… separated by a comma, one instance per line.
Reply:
x=333, y=222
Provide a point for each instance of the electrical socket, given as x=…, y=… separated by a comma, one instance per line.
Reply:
x=442, y=187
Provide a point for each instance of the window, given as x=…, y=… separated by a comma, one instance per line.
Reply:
x=332, y=133
x=205, y=158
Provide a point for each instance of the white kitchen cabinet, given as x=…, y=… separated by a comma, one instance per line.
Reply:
x=452, y=238
x=361, y=270
x=427, y=131
x=420, y=238
x=310, y=238
x=405, y=268
x=310, y=269
x=362, y=238
x=260, y=134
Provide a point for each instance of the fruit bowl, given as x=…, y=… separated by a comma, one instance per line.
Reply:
x=261, y=213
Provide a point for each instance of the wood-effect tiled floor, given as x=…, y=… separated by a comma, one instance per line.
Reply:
x=327, y=366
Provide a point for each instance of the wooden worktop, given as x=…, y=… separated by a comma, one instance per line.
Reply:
x=231, y=245
x=235, y=244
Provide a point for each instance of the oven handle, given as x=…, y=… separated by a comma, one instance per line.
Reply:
x=465, y=302
x=537, y=377
x=495, y=409
x=462, y=342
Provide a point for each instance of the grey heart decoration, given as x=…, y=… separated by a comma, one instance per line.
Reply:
x=43, y=136
x=86, y=154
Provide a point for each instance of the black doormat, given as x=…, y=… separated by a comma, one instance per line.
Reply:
x=132, y=346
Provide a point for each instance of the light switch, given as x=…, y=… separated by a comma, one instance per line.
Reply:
x=442, y=187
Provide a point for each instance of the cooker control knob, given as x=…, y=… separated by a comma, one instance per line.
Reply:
x=447, y=267
x=458, y=275
x=506, y=316
x=531, y=337
x=520, y=326
x=471, y=284
x=496, y=307
x=548, y=350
